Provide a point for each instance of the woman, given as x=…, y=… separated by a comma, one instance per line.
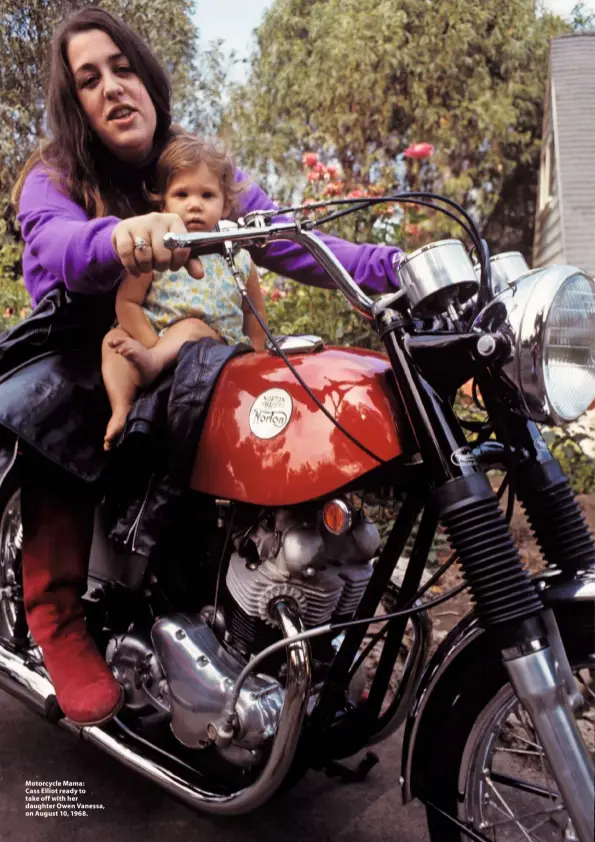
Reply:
x=83, y=216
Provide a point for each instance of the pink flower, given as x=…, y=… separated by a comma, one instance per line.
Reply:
x=333, y=189
x=418, y=150
x=332, y=171
x=313, y=176
x=320, y=168
x=310, y=159
x=355, y=194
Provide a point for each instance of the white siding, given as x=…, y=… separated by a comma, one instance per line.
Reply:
x=548, y=244
x=573, y=77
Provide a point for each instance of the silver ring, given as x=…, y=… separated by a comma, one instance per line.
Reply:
x=140, y=243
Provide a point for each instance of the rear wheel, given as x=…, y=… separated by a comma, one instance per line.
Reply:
x=489, y=769
x=11, y=541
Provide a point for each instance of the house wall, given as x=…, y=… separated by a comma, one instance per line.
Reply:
x=573, y=77
x=548, y=243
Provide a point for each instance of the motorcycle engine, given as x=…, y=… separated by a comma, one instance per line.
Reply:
x=289, y=555
x=185, y=666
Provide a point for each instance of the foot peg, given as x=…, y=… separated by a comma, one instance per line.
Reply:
x=334, y=769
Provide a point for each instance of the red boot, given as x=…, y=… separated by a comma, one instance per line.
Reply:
x=57, y=531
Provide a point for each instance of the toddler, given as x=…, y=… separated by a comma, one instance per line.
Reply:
x=161, y=310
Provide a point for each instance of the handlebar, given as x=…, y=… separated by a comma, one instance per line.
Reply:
x=260, y=235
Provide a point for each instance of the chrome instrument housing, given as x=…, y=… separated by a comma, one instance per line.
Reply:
x=437, y=275
x=506, y=268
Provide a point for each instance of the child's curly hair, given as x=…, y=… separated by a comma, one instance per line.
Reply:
x=186, y=152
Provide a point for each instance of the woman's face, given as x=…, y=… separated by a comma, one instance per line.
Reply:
x=116, y=102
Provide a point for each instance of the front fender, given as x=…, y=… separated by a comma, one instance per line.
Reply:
x=466, y=646
x=435, y=694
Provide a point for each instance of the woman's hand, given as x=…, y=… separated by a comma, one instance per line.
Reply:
x=151, y=228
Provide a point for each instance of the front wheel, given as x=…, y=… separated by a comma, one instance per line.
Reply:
x=489, y=768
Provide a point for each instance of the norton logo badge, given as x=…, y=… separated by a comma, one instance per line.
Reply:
x=463, y=456
x=270, y=413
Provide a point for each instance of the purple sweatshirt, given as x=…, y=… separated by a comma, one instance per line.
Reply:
x=63, y=246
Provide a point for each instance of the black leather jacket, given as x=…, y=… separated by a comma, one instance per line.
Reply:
x=52, y=398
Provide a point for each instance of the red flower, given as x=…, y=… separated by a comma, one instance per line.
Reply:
x=275, y=295
x=313, y=176
x=332, y=171
x=411, y=230
x=310, y=159
x=355, y=194
x=333, y=189
x=418, y=150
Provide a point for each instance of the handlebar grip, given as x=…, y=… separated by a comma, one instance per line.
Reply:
x=173, y=241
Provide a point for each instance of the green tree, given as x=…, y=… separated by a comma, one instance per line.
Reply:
x=583, y=19
x=360, y=80
x=26, y=28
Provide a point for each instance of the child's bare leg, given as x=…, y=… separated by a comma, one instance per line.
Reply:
x=150, y=362
x=121, y=380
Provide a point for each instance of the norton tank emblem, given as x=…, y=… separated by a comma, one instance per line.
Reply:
x=270, y=413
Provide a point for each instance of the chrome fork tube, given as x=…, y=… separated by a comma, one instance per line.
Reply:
x=575, y=697
x=539, y=686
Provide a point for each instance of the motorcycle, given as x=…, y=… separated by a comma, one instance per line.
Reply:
x=244, y=659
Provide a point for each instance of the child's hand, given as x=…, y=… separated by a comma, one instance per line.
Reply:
x=194, y=267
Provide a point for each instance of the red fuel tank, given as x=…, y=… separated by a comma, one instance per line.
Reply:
x=266, y=442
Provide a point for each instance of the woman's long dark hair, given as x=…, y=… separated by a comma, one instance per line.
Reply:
x=76, y=158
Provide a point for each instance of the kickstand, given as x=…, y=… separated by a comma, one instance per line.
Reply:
x=334, y=769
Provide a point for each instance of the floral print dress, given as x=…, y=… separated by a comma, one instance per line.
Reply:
x=215, y=298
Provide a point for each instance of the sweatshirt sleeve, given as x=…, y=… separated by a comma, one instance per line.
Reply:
x=60, y=240
x=370, y=266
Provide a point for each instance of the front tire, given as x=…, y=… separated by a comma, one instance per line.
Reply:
x=488, y=768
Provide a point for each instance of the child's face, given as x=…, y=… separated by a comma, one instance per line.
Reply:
x=196, y=196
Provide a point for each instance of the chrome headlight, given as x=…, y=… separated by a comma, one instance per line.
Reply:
x=549, y=316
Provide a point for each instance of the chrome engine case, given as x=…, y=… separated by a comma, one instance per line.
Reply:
x=200, y=673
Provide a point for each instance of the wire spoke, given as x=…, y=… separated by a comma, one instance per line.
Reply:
x=547, y=818
x=507, y=809
x=523, y=786
x=523, y=716
x=511, y=771
x=524, y=751
x=547, y=813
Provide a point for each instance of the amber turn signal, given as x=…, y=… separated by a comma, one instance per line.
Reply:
x=337, y=517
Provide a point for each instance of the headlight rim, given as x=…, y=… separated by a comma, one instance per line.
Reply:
x=522, y=312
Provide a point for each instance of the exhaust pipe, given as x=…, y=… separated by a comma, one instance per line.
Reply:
x=26, y=682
